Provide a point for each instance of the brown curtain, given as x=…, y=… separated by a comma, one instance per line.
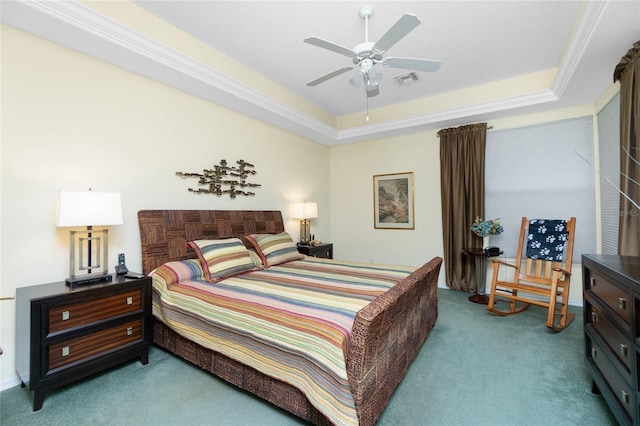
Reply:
x=628, y=73
x=462, y=152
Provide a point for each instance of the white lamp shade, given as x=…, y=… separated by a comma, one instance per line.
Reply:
x=304, y=210
x=88, y=208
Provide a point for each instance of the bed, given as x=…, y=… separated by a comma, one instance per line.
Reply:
x=385, y=337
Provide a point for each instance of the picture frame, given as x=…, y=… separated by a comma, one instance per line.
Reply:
x=393, y=201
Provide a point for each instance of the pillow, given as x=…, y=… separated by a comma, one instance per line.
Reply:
x=180, y=271
x=275, y=249
x=256, y=259
x=222, y=258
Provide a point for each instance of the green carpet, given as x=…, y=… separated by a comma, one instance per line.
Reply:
x=476, y=368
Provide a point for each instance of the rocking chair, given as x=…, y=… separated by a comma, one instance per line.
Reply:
x=543, y=277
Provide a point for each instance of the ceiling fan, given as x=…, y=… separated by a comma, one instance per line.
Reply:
x=366, y=55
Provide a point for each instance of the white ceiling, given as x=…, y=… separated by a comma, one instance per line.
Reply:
x=478, y=42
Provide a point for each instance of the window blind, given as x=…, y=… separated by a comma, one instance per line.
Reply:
x=536, y=172
x=609, y=152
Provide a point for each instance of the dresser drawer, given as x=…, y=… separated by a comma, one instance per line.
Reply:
x=613, y=296
x=80, y=348
x=619, y=344
x=619, y=387
x=69, y=316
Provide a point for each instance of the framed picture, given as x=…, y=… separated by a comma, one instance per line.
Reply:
x=393, y=201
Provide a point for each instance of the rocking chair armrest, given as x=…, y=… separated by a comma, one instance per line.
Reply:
x=564, y=271
x=501, y=262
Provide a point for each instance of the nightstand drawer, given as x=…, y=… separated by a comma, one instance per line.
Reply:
x=613, y=296
x=70, y=316
x=77, y=349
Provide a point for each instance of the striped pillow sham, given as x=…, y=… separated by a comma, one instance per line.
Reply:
x=257, y=260
x=179, y=271
x=221, y=259
x=275, y=249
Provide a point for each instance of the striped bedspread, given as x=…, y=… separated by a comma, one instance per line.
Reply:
x=290, y=321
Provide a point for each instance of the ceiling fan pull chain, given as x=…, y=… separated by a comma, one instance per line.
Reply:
x=367, y=107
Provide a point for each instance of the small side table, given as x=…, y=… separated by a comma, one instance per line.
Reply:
x=324, y=250
x=481, y=273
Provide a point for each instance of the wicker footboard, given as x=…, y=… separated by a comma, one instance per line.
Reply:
x=386, y=337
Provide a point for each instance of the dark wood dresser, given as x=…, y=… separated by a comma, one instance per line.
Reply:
x=611, y=289
x=64, y=334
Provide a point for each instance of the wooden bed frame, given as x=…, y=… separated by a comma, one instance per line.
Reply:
x=386, y=335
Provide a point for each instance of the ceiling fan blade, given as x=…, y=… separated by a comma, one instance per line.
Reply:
x=373, y=91
x=412, y=64
x=401, y=28
x=329, y=76
x=330, y=46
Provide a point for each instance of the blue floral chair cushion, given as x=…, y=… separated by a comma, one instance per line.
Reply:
x=547, y=239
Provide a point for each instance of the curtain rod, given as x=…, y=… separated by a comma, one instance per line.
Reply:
x=488, y=128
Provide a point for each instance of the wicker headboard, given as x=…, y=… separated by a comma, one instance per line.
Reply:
x=164, y=233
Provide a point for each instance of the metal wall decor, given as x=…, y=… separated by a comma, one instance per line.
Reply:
x=224, y=179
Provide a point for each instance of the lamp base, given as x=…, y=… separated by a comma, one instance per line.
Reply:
x=88, y=279
x=305, y=232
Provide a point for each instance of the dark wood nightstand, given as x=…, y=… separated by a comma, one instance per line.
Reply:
x=321, y=250
x=64, y=334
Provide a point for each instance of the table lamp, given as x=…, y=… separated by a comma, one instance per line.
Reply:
x=305, y=211
x=88, y=248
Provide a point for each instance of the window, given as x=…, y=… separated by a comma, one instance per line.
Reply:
x=535, y=171
x=609, y=152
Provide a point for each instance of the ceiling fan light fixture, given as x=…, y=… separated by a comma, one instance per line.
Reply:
x=357, y=79
x=365, y=55
x=373, y=78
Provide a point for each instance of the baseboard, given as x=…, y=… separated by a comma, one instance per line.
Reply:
x=9, y=383
x=576, y=303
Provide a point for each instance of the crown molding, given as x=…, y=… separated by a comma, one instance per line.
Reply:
x=75, y=26
x=434, y=120
x=584, y=28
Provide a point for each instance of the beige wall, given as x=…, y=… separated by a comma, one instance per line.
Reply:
x=71, y=122
x=352, y=170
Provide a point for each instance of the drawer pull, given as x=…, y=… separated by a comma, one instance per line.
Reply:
x=594, y=317
x=65, y=351
x=622, y=303
x=624, y=396
x=65, y=315
x=592, y=281
x=129, y=300
x=624, y=349
x=594, y=353
x=129, y=331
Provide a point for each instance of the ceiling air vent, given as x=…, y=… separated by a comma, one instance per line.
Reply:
x=406, y=79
